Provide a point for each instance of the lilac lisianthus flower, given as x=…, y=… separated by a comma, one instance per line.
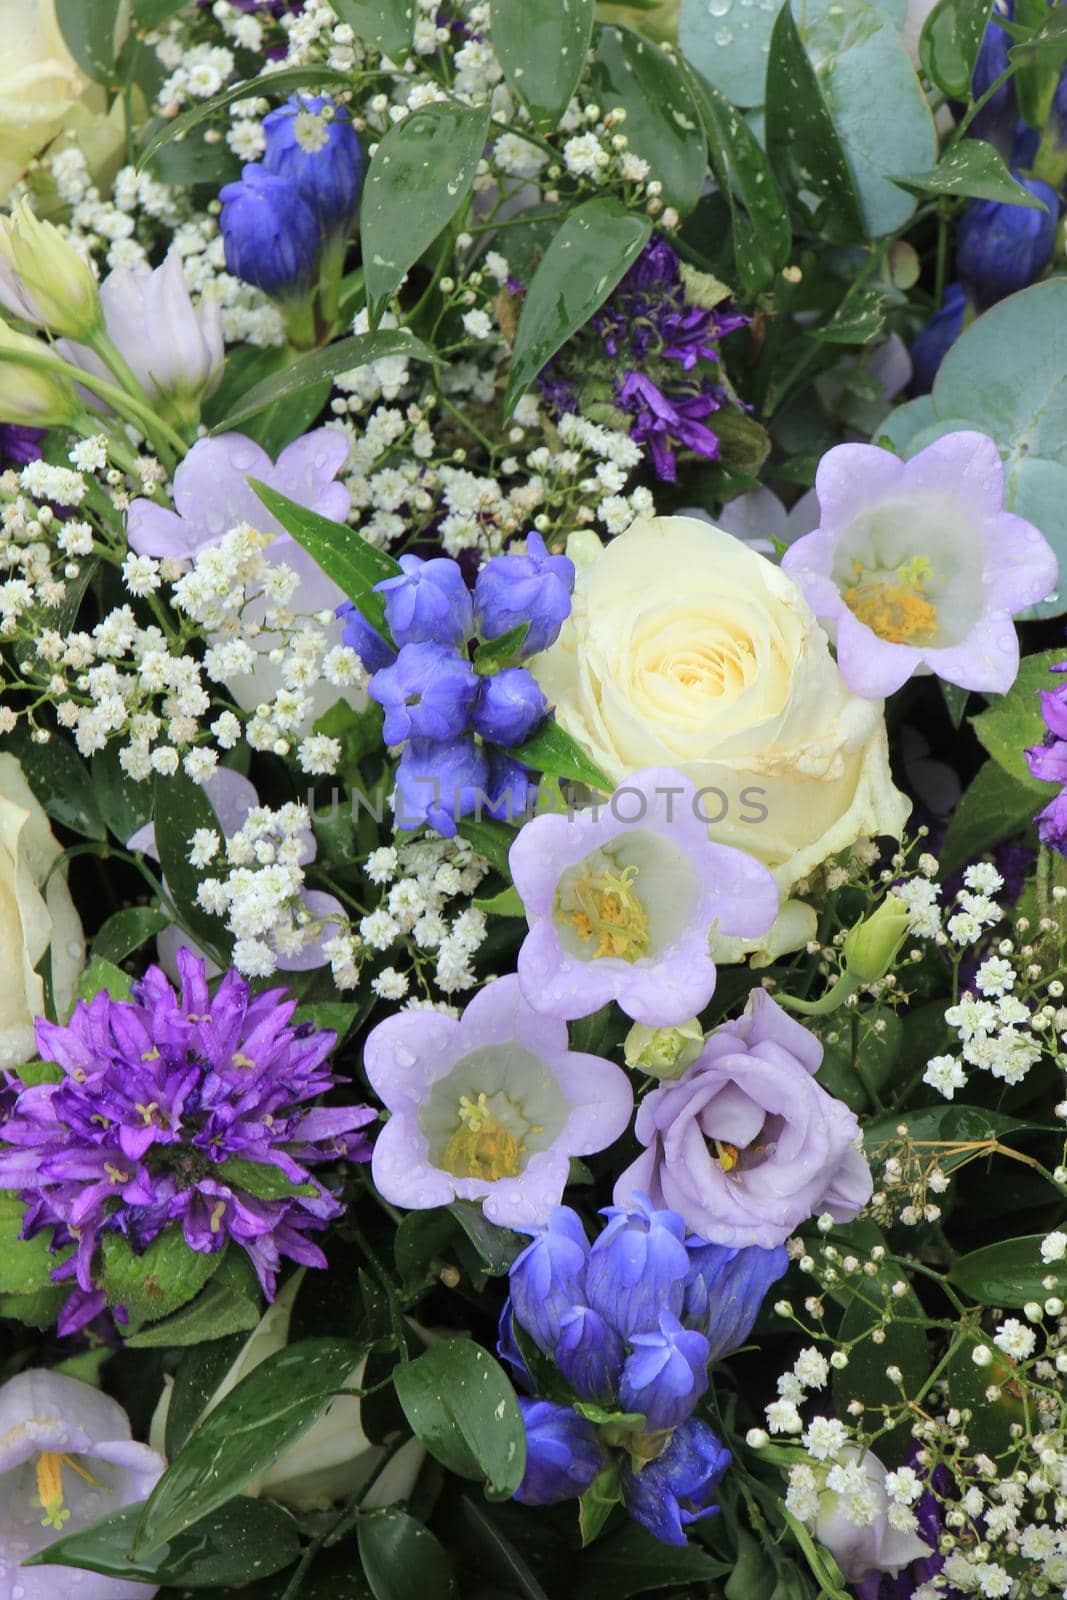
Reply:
x=746, y=1146
x=621, y=909
x=66, y=1459
x=158, y=1094
x=491, y=1106
x=874, y=1545
x=917, y=567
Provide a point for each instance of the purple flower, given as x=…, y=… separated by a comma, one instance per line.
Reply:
x=439, y=782
x=589, y=1353
x=19, y=445
x=512, y=788
x=1001, y=247
x=677, y=1488
x=916, y=566
x=936, y=337
x=1048, y=762
x=509, y=706
x=534, y=588
x=638, y=1266
x=270, y=233
x=428, y=601
x=489, y=1107
x=212, y=495
x=563, y=1454
x=547, y=1279
x=158, y=1094
x=66, y=1459
x=665, y=1373
x=621, y=900
x=876, y=1544
x=746, y=1145
x=725, y=1289
x=662, y=422
x=365, y=639
x=426, y=693
x=312, y=143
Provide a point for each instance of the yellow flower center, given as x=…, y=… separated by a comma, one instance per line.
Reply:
x=481, y=1146
x=50, y=1486
x=605, y=909
x=726, y=1154
x=892, y=604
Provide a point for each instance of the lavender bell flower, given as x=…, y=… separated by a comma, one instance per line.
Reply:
x=428, y=601
x=875, y=1544
x=491, y=1106
x=158, y=1094
x=563, y=1454
x=677, y=1488
x=746, y=1146
x=621, y=901
x=437, y=782
x=535, y=588
x=426, y=693
x=509, y=706
x=66, y=1459
x=917, y=567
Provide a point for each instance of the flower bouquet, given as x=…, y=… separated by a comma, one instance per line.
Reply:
x=533, y=799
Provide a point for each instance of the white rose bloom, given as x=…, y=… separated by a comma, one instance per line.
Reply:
x=30, y=920
x=687, y=649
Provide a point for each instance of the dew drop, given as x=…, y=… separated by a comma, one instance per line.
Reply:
x=723, y=37
x=720, y=8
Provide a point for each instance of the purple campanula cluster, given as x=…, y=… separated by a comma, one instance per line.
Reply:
x=456, y=721
x=1048, y=761
x=658, y=352
x=633, y=1323
x=158, y=1095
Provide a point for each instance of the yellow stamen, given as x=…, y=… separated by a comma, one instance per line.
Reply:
x=481, y=1146
x=728, y=1155
x=116, y=1174
x=150, y=1055
x=218, y=1211
x=148, y=1112
x=50, y=1486
x=605, y=907
x=893, y=605
x=241, y=1060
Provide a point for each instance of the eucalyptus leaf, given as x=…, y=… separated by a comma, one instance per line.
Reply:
x=662, y=125
x=541, y=46
x=950, y=41
x=319, y=366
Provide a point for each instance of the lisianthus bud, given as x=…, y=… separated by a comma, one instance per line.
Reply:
x=34, y=390
x=53, y=278
x=871, y=947
x=663, y=1052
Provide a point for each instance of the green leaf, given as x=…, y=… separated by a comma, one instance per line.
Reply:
x=260, y=1178
x=126, y=931
x=1047, y=45
x=166, y=1275
x=278, y=84
x=497, y=1553
x=994, y=807
x=949, y=43
x=267, y=1411
x=101, y=974
x=662, y=125
x=181, y=807
x=947, y=1123
x=418, y=178
x=491, y=839
x=597, y=1503
x=388, y=25
x=320, y=366
x=1013, y=721
x=802, y=142
x=218, y=1311
x=552, y=750
x=508, y=903
x=747, y=179
x=858, y=319
x=152, y=13
x=38, y=1309
x=201, y=1370
x=90, y=29
x=335, y=1016
x=192, y=159
x=124, y=804
x=250, y=1539
x=25, y=1264
x=496, y=1247
x=60, y=780
x=541, y=46
x=401, y=1558
x=461, y=1405
x=631, y=1561
x=500, y=652
x=353, y=564
x=596, y=245
x=973, y=168
x=1009, y=1273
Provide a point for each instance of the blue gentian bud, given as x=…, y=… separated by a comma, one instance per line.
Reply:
x=362, y=637
x=312, y=143
x=512, y=788
x=534, y=588
x=425, y=694
x=679, y=1486
x=725, y=1289
x=548, y=1277
x=638, y=1266
x=507, y=1347
x=935, y=339
x=270, y=234
x=563, y=1454
x=509, y=707
x=437, y=783
x=995, y=120
x=428, y=601
x=590, y=1354
x=665, y=1373
x=1001, y=248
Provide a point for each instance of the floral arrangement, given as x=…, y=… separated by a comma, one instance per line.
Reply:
x=533, y=799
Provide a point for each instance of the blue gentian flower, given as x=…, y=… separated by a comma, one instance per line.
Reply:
x=665, y=1373
x=589, y=1353
x=936, y=338
x=362, y=637
x=725, y=1289
x=509, y=707
x=1001, y=248
x=270, y=234
x=426, y=693
x=548, y=1277
x=438, y=782
x=428, y=600
x=638, y=1267
x=563, y=1454
x=312, y=143
x=678, y=1487
x=534, y=588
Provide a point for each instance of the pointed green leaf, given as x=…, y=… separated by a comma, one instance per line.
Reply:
x=662, y=125
x=747, y=179
x=353, y=564
x=551, y=750
x=949, y=43
x=388, y=25
x=461, y=1405
x=972, y=167
x=1009, y=1273
x=541, y=46
x=127, y=930
x=400, y=1558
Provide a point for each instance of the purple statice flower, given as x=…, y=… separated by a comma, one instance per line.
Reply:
x=66, y=1459
x=1048, y=762
x=19, y=445
x=916, y=567
x=159, y=1093
x=621, y=899
x=490, y=1106
x=746, y=1145
x=658, y=352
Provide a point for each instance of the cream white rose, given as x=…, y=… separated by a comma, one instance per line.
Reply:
x=685, y=648
x=30, y=920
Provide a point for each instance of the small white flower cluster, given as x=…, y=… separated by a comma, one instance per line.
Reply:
x=418, y=879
